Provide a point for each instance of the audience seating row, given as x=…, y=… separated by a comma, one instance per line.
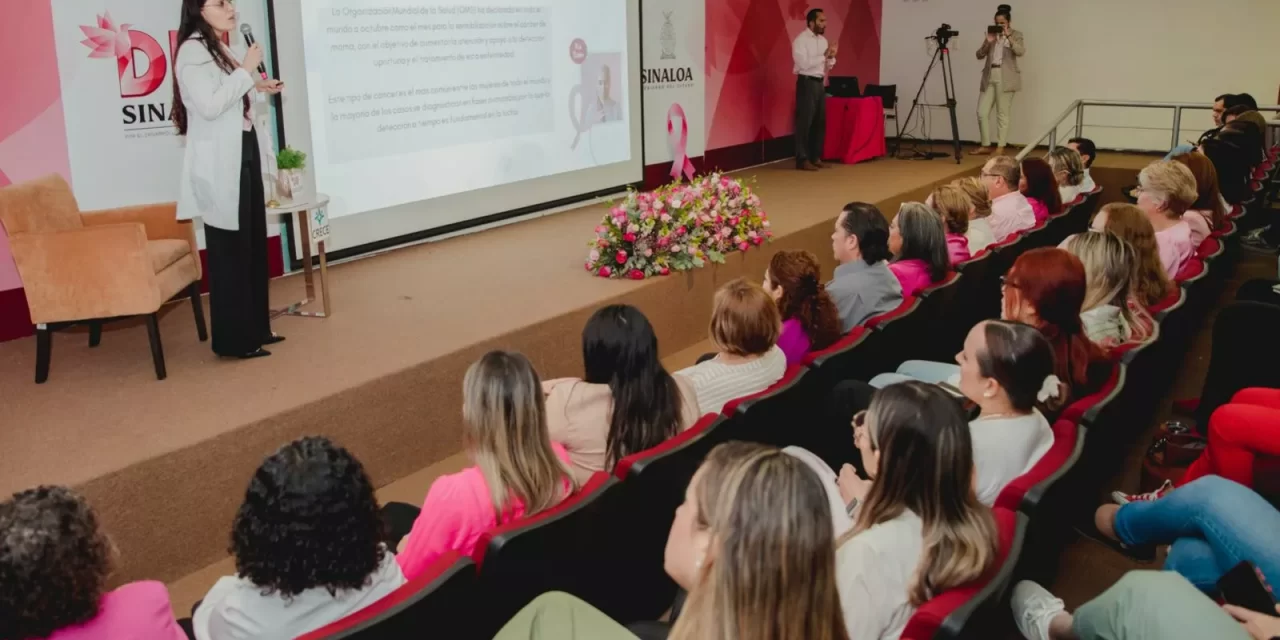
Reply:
x=605, y=544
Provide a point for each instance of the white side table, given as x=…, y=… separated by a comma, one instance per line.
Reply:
x=302, y=212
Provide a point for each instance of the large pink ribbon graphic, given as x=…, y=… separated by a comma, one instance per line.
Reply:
x=679, y=146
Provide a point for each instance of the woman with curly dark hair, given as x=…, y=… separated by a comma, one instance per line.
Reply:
x=54, y=563
x=809, y=318
x=308, y=544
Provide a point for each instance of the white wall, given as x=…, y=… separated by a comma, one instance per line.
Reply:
x=1155, y=50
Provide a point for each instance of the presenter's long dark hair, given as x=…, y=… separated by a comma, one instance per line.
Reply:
x=193, y=25
x=620, y=349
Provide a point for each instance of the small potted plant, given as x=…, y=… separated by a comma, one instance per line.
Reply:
x=289, y=183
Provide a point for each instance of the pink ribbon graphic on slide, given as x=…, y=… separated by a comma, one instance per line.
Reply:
x=679, y=146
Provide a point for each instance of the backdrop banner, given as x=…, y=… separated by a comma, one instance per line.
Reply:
x=115, y=64
x=673, y=78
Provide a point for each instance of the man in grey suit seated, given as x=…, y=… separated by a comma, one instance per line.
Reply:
x=863, y=285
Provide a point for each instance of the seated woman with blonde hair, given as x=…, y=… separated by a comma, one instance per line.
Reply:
x=1166, y=189
x=752, y=544
x=954, y=207
x=1151, y=285
x=518, y=471
x=625, y=403
x=1111, y=316
x=1068, y=172
x=745, y=326
x=919, y=528
x=979, y=234
x=918, y=243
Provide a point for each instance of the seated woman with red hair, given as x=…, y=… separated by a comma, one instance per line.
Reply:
x=1045, y=289
x=1040, y=188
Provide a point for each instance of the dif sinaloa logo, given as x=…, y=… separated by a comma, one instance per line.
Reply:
x=143, y=69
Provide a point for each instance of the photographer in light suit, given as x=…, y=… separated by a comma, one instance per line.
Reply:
x=1000, y=78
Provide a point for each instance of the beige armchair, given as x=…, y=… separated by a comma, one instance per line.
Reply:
x=89, y=267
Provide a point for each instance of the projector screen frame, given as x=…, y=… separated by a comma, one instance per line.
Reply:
x=290, y=232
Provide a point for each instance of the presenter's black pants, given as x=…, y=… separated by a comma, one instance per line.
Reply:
x=238, y=303
x=811, y=119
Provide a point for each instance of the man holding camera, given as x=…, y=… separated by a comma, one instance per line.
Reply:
x=813, y=58
x=1000, y=78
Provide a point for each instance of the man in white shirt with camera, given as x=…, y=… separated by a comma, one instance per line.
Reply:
x=813, y=58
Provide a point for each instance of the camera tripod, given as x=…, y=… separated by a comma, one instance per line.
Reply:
x=942, y=55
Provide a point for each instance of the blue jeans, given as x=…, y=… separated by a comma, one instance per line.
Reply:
x=922, y=370
x=1213, y=524
x=1179, y=150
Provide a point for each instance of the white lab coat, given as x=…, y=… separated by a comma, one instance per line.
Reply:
x=210, y=187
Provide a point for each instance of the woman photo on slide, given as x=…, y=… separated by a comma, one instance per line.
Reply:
x=213, y=100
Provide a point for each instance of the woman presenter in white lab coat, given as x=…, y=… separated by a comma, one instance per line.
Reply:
x=213, y=100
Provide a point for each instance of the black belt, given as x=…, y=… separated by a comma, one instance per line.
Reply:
x=808, y=77
x=995, y=66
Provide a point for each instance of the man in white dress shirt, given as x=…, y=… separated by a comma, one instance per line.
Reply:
x=1010, y=211
x=813, y=58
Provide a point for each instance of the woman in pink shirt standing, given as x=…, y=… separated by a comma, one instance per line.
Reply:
x=1041, y=189
x=55, y=562
x=518, y=471
x=1166, y=189
x=919, y=247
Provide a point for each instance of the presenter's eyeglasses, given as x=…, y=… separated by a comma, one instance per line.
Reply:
x=221, y=4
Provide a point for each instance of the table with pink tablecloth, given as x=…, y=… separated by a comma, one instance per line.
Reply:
x=855, y=129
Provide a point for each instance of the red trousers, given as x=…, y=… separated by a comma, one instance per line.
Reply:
x=1247, y=427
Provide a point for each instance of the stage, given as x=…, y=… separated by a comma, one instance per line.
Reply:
x=166, y=463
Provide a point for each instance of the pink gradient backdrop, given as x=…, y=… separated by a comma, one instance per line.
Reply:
x=750, y=87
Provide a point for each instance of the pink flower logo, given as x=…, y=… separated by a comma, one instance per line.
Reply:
x=108, y=40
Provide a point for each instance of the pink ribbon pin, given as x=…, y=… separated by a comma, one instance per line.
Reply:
x=679, y=147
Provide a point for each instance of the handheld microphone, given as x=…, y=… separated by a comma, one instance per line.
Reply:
x=247, y=32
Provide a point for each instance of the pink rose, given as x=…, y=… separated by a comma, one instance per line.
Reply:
x=599, y=229
x=594, y=255
x=681, y=230
x=588, y=266
x=675, y=248
x=726, y=232
x=602, y=243
x=742, y=246
x=765, y=224
x=648, y=253
x=665, y=217
x=604, y=272
x=636, y=274
x=693, y=250
x=664, y=241
x=621, y=257
x=735, y=220
x=665, y=271
x=757, y=240
x=629, y=237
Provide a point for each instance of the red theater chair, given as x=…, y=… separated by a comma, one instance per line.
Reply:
x=967, y=612
x=556, y=550
x=639, y=511
x=443, y=599
x=1026, y=491
x=1050, y=501
x=937, y=304
x=779, y=416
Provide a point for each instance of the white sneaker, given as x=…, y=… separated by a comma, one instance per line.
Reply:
x=1121, y=498
x=1033, y=609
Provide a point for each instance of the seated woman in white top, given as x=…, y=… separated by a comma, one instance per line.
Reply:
x=1111, y=315
x=1068, y=170
x=308, y=547
x=744, y=328
x=979, y=233
x=1006, y=368
x=626, y=403
x=916, y=447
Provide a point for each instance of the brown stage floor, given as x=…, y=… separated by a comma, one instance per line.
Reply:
x=166, y=462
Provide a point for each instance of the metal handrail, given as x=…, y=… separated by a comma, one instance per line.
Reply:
x=1077, y=107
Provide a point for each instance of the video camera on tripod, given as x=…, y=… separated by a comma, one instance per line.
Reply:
x=943, y=34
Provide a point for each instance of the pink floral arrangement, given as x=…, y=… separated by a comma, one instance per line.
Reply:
x=677, y=227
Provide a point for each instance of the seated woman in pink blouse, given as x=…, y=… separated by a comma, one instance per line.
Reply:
x=810, y=321
x=518, y=471
x=625, y=403
x=919, y=247
x=55, y=563
x=1209, y=212
x=953, y=205
x=1040, y=188
x=1165, y=190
